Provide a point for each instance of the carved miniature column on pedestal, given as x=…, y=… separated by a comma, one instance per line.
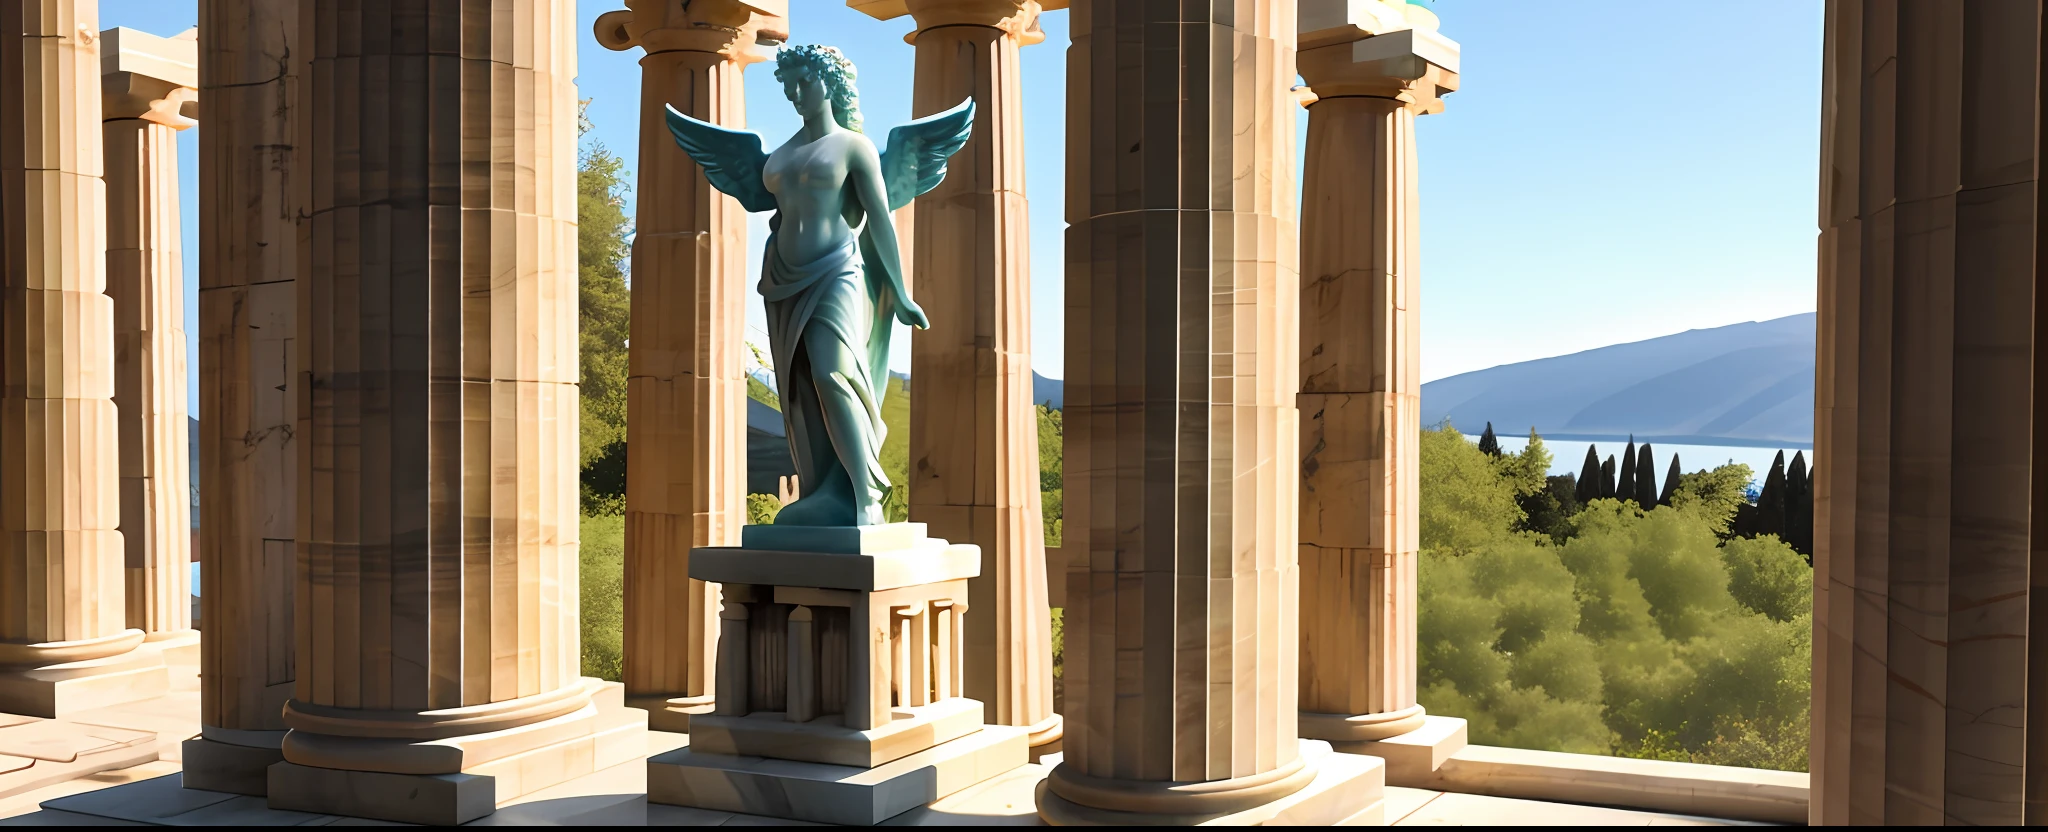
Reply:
x=249, y=249
x=973, y=428
x=686, y=393
x=150, y=93
x=436, y=609
x=1181, y=457
x=1373, y=67
x=64, y=641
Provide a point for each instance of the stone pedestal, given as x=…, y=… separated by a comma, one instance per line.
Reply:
x=973, y=425
x=1372, y=68
x=64, y=643
x=436, y=583
x=686, y=392
x=150, y=92
x=248, y=400
x=839, y=679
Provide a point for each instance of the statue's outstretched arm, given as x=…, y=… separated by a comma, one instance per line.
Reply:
x=732, y=159
x=868, y=187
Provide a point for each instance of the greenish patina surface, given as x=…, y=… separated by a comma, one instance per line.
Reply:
x=832, y=278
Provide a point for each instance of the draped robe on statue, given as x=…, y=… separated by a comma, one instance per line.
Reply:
x=830, y=297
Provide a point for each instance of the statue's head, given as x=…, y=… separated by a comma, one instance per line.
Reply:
x=819, y=76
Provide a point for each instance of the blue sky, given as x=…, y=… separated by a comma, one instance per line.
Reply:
x=1615, y=173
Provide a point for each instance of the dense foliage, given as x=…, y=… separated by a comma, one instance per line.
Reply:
x=1627, y=631
x=602, y=580
x=603, y=245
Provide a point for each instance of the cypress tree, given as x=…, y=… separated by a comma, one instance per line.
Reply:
x=1770, y=503
x=1626, y=490
x=1488, y=444
x=1589, y=477
x=1607, y=478
x=1646, y=478
x=1670, y=483
x=1799, y=507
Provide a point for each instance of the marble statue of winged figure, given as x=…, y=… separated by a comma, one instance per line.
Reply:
x=832, y=277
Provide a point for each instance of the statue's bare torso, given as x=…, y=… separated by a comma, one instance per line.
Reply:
x=810, y=181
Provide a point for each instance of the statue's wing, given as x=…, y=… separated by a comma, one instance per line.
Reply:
x=732, y=159
x=915, y=160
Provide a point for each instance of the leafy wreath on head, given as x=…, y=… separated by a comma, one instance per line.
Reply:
x=833, y=68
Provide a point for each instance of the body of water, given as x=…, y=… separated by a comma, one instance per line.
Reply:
x=1568, y=455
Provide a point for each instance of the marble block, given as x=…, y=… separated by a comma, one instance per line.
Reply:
x=1413, y=758
x=826, y=740
x=838, y=540
x=920, y=560
x=823, y=793
x=63, y=689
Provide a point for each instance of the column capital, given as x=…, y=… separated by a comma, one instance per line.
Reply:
x=151, y=78
x=1018, y=18
x=743, y=31
x=1415, y=66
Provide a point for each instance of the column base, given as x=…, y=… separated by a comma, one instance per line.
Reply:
x=237, y=762
x=1336, y=728
x=180, y=648
x=1326, y=789
x=1413, y=758
x=671, y=713
x=80, y=676
x=457, y=779
x=821, y=793
x=1047, y=736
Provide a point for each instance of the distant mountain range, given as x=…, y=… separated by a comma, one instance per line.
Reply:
x=1748, y=384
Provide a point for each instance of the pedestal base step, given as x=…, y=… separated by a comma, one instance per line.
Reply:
x=825, y=740
x=61, y=690
x=827, y=793
x=618, y=735
x=1413, y=758
x=1348, y=790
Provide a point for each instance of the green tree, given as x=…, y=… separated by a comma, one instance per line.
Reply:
x=1464, y=502
x=1671, y=477
x=1714, y=495
x=756, y=389
x=1626, y=489
x=1607, y=478
x=1799, y=507
x=601, y=589
x=603, y=230
x=762, y=508
x=1488, y=443
x=1646, y=478
x=1052, y=432
x=1589, y=476
x=1770, y=502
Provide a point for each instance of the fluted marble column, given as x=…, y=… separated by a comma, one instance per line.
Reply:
x=1373, y=67
x=973, y=428
x=1181, y=435
x=150, y=91
x=252, y=64
x=436, y=587
x=64, y=640
x=686, y=393
x=1930, y=648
